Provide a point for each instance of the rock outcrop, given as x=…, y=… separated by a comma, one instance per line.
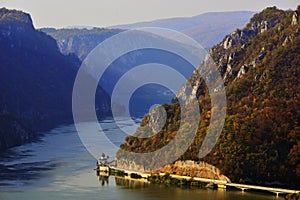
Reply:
x=9, y=16
x=79, y=41
x=130, y=165
x=295, y=18
x=193, y=169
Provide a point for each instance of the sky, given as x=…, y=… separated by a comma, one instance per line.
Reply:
x=103, y=13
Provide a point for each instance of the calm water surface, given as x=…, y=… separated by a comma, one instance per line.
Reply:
x=59, y=167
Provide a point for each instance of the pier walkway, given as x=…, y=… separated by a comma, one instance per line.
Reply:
x=277, y=191
x=220, y=183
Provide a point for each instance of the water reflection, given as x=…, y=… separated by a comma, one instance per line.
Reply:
x=131, y=183
x=125, y=182
x=17, y=168
x=103, y=177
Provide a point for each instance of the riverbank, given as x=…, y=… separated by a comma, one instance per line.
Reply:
x=178, y=180
x=165, y=178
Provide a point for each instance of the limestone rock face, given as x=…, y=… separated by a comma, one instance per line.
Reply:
x=295, y=18
x=244, y=69
x=130, y=165
x=239, y=35
x=194, y=169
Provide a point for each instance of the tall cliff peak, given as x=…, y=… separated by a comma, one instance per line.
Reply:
x=15, y=16
x=36, y=80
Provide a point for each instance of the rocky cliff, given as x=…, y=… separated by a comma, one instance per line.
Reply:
x=194, y=169
x=79, y=41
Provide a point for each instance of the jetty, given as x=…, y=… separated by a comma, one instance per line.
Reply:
x=277, y=191
x=221, y=184
x=104, y=167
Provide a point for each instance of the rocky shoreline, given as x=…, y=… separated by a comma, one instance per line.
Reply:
x=181, y=168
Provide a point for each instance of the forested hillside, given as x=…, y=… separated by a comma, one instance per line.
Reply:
x=36, y=81
x=260, y=66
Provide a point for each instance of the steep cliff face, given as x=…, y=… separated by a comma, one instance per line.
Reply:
x=238, y=52
x=260, y=68
x=33, y=73
x=36, y=80
x=79, y=41
x=243, y=50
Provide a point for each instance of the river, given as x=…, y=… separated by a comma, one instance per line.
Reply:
x=58, y=166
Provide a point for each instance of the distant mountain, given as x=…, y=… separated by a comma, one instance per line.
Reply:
x=259, y=143
x=208, y=28
x=36, y=80
x=79, y=41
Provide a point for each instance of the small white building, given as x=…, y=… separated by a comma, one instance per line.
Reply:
x=102, y=164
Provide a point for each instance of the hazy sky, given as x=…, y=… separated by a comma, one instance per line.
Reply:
x=101, y=13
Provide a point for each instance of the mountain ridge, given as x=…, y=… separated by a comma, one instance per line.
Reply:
x=79, y=41
x=209, y=14
x=207, y=28
x=200, y=27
